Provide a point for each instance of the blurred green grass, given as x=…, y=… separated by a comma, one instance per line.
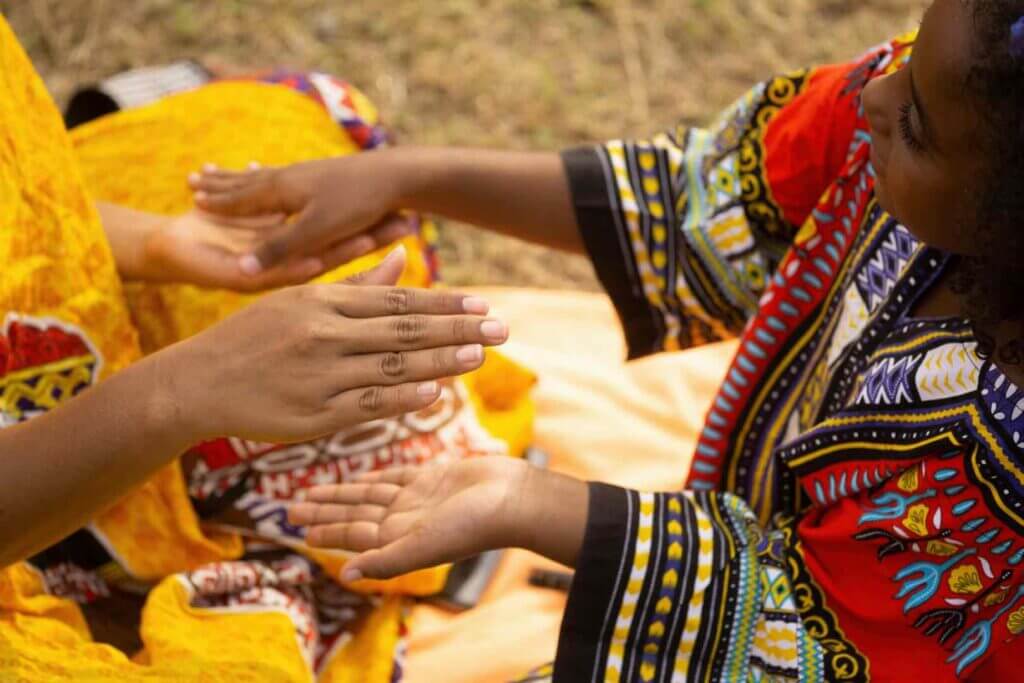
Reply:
x=519, y=74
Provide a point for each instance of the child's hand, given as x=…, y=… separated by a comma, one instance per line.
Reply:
x=343, y=208
x=203, y=250
x=412, y=518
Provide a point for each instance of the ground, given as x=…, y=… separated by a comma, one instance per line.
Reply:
x=520, y=74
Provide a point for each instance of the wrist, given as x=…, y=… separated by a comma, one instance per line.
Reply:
x=416, y=174
x=550, y=516
x=150, y=259
x=137, y=258
x=172, y=411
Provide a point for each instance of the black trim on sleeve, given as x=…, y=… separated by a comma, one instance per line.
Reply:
x=608, y=247
x=602, y=571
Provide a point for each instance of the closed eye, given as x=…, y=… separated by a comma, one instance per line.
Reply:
x=907, y=128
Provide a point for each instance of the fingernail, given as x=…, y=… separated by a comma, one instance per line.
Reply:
x=473, y=353
x=474, y=305
x=250, y=265
x=427, y=389
x=351, y=575
x=193, y=178
x=495, y=330
x=254, y=166
x=209, y=168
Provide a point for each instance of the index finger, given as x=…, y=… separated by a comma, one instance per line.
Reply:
x=375, y=301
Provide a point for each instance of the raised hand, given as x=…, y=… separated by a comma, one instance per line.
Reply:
x=307, y=361
x=343, y=208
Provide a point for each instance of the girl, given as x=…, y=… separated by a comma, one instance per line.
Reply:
x=854, y=506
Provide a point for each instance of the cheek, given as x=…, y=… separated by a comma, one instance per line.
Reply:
x=924, y=200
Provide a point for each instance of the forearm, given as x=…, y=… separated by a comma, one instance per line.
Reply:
x=521, y=194
x=127, y=231
x=61, y=468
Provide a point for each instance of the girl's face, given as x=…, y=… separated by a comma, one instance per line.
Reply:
x=924, y=132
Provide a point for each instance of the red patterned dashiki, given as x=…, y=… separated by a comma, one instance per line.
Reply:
x=853, y=512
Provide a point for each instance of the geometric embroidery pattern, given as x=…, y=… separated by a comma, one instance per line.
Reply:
x=882, y=271
x=889, y=381
x=948, y=370
x=42, y=363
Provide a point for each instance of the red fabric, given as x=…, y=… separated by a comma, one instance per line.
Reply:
x=27, y=346
x=807, y=142
x=1003, y=666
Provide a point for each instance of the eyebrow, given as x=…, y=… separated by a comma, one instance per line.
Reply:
x=926, y=126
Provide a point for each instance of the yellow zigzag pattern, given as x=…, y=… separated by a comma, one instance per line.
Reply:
x=946, y=371
x=57, y=382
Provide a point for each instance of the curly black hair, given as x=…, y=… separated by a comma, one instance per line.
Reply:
x=991, y=282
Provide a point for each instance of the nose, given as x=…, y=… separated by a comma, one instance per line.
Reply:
x=875, y=110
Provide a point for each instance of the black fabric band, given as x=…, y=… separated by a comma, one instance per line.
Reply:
x=597, y=584
x=608, y=248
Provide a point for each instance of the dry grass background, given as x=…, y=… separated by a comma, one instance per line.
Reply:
x=525, y=74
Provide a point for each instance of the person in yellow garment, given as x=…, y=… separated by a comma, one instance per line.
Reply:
x=113, y=363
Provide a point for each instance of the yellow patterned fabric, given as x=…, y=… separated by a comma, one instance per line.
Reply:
x=59, y=279
x=219, y=123
x=68, y=323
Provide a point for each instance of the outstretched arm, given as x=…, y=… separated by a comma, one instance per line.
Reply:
x=408, y=519
x=298, y=364
x=351, y=201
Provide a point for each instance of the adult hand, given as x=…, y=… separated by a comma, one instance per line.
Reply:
x=307, y=361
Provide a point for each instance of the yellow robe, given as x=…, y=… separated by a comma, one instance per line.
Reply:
x=60, y=280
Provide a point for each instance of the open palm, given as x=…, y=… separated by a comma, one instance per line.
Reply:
x=412, y=518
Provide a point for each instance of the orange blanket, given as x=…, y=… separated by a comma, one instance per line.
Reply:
x=598, y=418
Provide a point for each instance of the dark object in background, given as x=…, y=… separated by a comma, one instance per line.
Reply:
x=133, y=88
x=546, y=578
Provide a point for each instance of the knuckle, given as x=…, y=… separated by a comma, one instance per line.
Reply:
x=410, y=329
x=320, y=330
x=305, y=345
x=372, y=400
x=460, y=329
x=393, y=365
x=403, y=397
x=357, y=278
x=447, y=301
x=398, y=301
x=309, y=335
x=312, y=292
x=440, y=360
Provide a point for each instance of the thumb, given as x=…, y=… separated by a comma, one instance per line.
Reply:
x=385, y=273
x=281, y=245
x=395, y=559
